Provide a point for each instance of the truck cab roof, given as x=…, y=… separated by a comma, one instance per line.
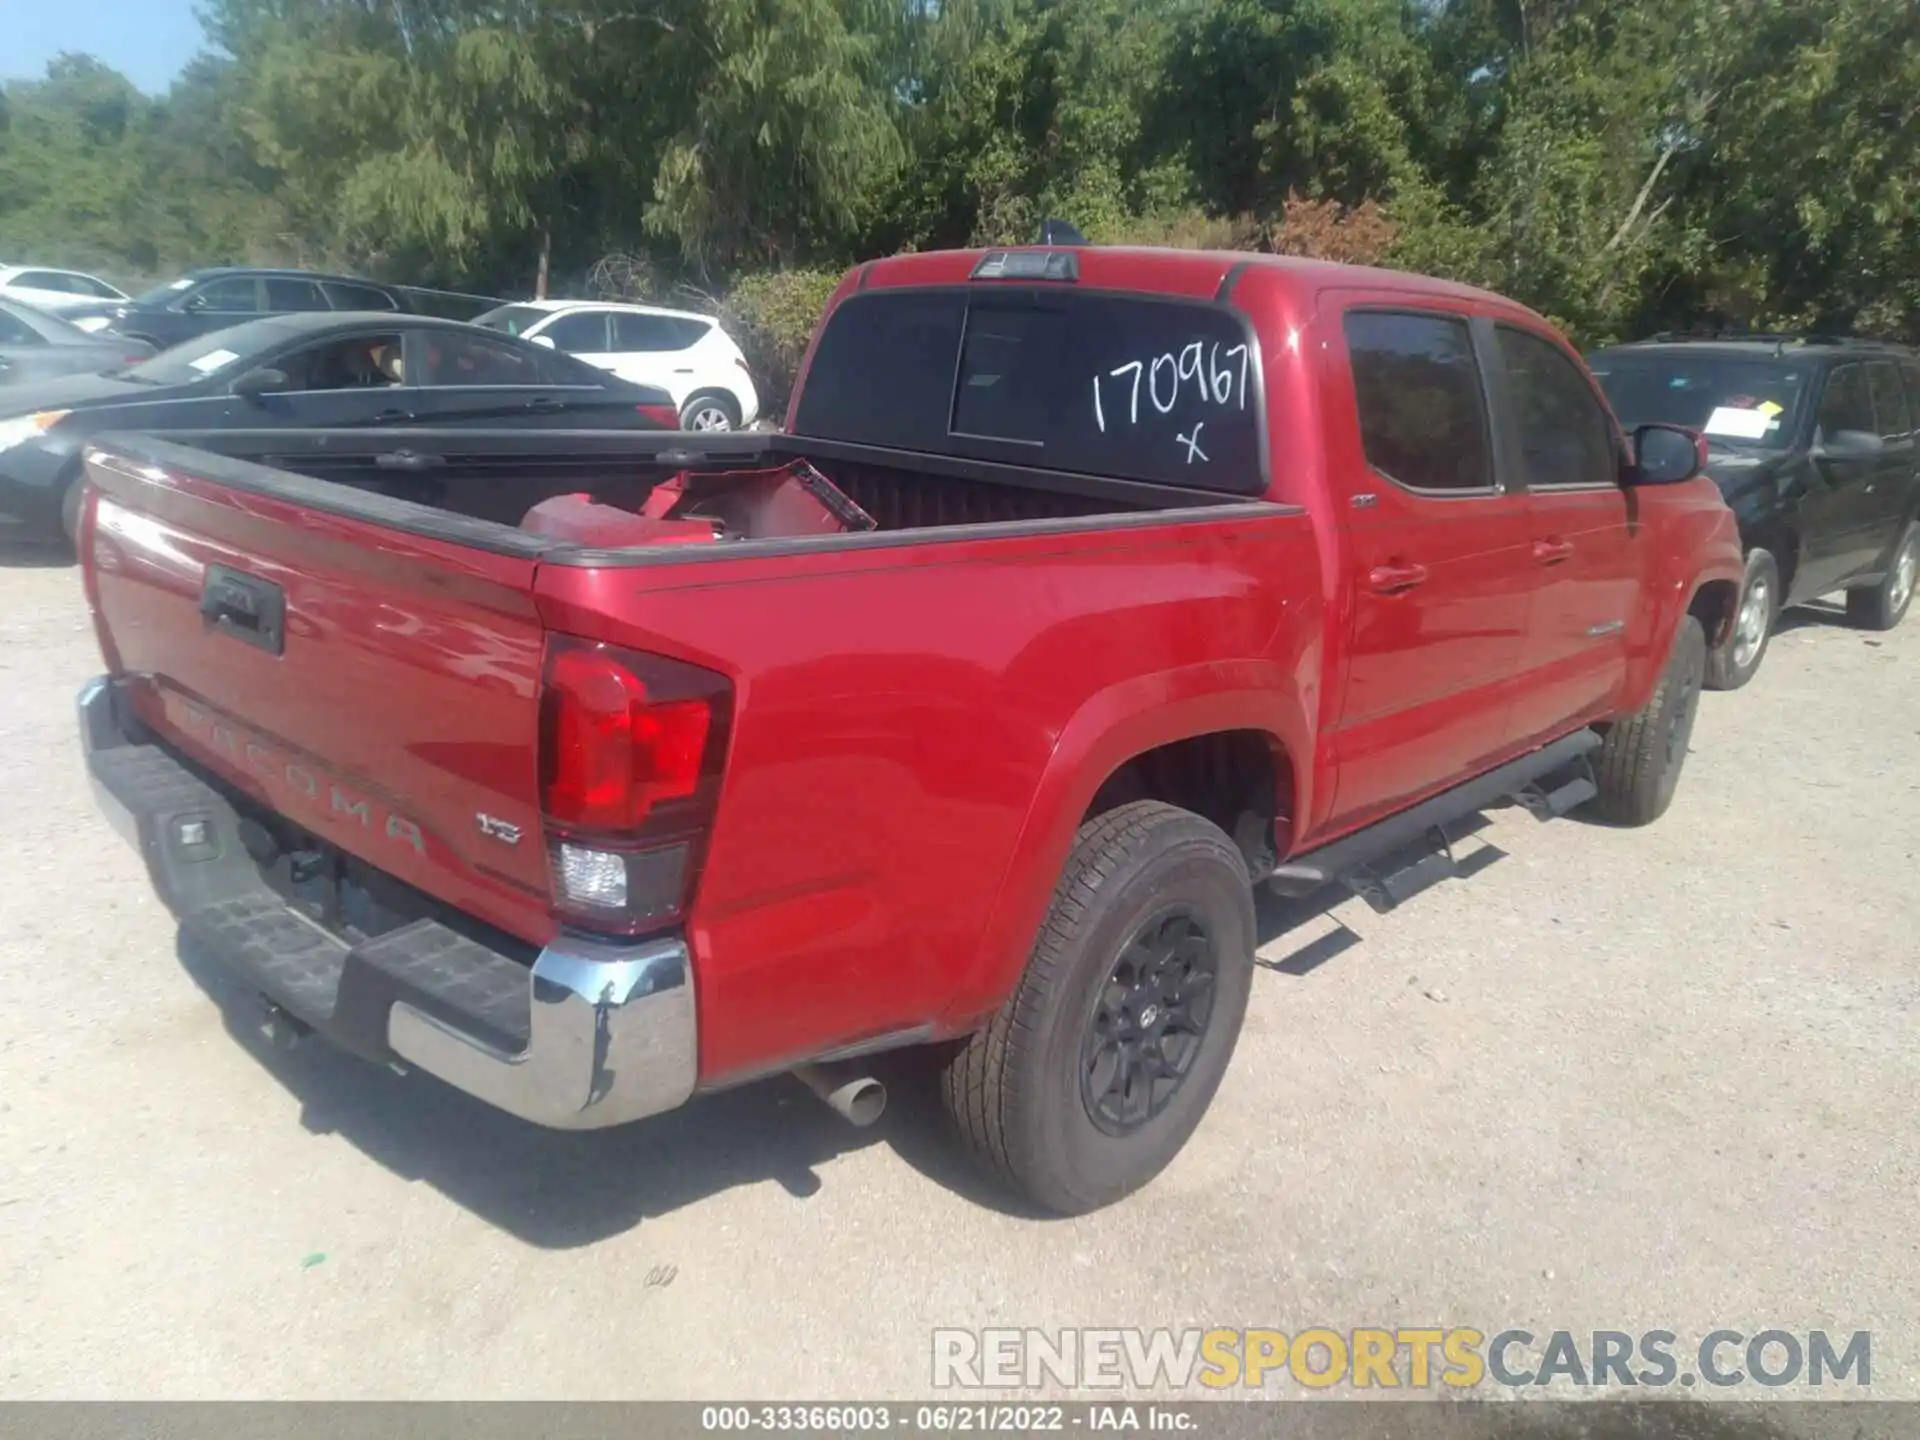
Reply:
x=1160, y=270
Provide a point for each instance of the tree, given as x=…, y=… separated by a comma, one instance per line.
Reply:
x=791, y=128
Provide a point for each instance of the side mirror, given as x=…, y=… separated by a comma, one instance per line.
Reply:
x=1667, y=454
x=545, y=342
x=192, y=305
x=1850, y=445
x=256, y=383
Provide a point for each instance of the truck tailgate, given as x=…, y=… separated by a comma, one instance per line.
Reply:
x=300, y=654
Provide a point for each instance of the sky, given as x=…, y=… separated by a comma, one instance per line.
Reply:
x=148, y=41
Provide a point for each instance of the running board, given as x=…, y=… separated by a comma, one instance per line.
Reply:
x=1572, y=791
x=1513, y=781
x=1406, y=873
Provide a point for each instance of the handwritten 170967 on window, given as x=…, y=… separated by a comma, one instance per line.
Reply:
x=1216, y=383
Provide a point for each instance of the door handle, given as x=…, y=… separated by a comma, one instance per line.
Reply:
x=1395, y=578
x=388, y=417
x=1552, y=550
x=684, y=370
x=545, y=405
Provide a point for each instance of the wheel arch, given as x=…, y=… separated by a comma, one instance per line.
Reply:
x=1154, y=735
x=718, y=393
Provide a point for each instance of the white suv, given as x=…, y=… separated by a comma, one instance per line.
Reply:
x=54, y=290
x=686, y=354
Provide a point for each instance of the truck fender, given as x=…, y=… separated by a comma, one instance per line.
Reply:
x=1111, y=728
x=1648, y=659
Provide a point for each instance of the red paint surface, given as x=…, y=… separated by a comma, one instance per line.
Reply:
x=919, y=729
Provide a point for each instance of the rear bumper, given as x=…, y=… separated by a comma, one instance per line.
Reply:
x=594, y=1034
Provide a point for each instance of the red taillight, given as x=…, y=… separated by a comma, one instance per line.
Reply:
x=664, y=416
x=630, y=752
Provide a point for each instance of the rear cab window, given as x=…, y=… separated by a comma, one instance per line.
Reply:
x=1090, y=382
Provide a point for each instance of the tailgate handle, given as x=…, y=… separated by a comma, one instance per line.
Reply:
x=251, y=610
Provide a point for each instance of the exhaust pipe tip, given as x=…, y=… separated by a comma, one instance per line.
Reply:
x=857, y=1098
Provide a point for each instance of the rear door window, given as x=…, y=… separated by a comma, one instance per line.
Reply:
x=1423, y=419
x=290, y=295
x=584, y=334
x=234, y=295
x=643, y=333
x=453, y=358
x=356, y=297
x=1127, y=386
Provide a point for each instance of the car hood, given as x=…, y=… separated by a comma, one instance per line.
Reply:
x=71, y=392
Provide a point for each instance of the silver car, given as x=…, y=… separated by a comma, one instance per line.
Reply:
x=36, y=346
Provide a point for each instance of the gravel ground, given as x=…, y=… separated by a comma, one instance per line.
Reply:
x=1622, y=1080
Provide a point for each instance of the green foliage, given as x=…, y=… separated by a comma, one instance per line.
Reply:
x=1618, y=164
x=788, y=135
x=771, y=315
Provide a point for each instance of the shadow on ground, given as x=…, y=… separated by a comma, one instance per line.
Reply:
x=559, y=1190
x=31, y=555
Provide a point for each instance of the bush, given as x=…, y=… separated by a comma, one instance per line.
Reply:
x=1315, y=229
x=772, y=314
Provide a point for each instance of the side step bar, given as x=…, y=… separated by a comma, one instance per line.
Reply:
x=1518, y=780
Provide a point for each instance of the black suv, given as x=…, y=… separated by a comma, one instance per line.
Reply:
x=1815, y=442
x=202, y=301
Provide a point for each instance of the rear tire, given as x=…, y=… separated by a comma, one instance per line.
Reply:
x=1102, y=1062
x=1642, y=754
x=710, y=410
x=1738, y=658
x=1883, y=606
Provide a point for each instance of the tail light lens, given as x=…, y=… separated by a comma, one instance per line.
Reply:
x=664, y=416
x=631, y=748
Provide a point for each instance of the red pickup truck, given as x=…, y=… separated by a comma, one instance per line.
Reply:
x=1086, y=589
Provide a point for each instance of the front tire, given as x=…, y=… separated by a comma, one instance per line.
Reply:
x=1641, y=755
x=1737, y=660
x=1102, y=1062
x=1883, y=606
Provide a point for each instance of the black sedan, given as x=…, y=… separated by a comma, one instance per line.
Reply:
x=303, y=372
x=37, y=346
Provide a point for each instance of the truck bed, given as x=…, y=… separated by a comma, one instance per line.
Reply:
x=497, y=477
